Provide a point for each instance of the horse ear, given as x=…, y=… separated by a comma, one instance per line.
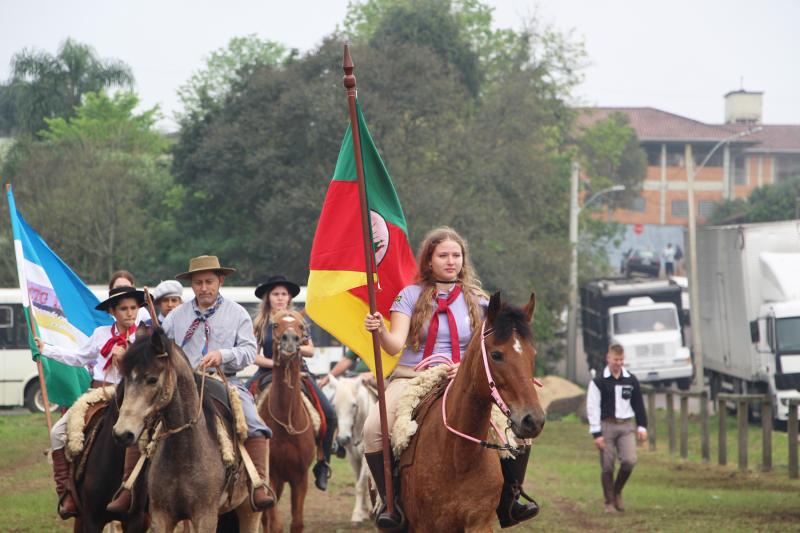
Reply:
x=494, y=307
x=158, y=342
x=530, y=308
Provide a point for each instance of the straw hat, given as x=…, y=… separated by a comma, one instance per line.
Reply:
x=202, y=264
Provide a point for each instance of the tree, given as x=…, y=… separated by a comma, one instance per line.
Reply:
x=91, y=186
x=777, y=201
x=46, y=86
x=225, y=68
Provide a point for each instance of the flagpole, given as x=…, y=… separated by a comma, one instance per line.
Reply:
x=32, y=323
x=349, y=81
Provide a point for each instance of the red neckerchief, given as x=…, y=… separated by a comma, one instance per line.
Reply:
x=117, y=339
x=443, y=306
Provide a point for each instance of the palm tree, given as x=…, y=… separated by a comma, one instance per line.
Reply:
x=47, y=86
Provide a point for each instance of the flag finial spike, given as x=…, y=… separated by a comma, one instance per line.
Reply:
x=349, y=79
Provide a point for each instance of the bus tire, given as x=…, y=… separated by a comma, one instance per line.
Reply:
x=34, y=400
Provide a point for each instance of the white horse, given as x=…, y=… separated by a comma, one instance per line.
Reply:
x=352, y=400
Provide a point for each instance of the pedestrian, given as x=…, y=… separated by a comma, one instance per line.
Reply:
x=679, y=260
x=613, y=401
x=669, y=260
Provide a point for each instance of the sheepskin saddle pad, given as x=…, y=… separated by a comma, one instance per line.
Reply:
x=226, y=400
x=316, y=421
x=414, y=405
x=83, y=416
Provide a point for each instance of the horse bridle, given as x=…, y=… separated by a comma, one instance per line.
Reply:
x=276, y=349
x=496, y=398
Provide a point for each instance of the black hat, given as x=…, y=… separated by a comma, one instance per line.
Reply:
x=274, y=281
x=119, y=293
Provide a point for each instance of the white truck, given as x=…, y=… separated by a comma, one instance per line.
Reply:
x=644, y=316
x=749, y=283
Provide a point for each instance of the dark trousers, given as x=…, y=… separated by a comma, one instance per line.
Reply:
x=330, y=418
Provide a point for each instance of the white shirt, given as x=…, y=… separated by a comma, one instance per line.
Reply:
x=87, y=354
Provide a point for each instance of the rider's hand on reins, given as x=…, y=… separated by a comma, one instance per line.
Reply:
x=452, y=371
x=213, y=358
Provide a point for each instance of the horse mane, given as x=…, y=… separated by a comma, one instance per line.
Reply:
x=509, y=319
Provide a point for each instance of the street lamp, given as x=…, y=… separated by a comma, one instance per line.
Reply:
x=694, y=307
x=572, y=318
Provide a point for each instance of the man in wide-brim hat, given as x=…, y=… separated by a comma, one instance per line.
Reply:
x=214, y=331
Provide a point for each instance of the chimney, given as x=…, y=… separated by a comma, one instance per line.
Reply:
x=743, y=107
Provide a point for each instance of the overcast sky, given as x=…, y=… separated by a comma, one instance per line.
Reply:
x=681, y=56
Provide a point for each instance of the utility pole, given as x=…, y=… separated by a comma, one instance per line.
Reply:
x=572, y=318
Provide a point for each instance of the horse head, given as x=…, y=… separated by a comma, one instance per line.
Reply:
x=150, y=380
x=511, y=359
x=288, y=332
x=351, y=403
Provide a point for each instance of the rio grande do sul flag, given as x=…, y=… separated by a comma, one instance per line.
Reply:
x=61, y=305
x=336, y=298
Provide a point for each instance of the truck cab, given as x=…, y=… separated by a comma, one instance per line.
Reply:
x=776, y=335
x=651, y=335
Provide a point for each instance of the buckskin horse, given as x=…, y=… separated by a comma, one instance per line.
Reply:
x=454, y=481
x=293, y=446
x=186, y=479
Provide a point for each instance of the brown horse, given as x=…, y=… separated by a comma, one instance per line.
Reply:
x=454, y=484
x=102, y=476
x=282, y=408
x=186, y=479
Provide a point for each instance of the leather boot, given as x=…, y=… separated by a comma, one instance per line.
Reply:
x=619, y=483
x=322, y=471
x=384, y=520
x=121, y=504
x=510, y=511
x=607, y=478
x=262, y=497
x=67, y=507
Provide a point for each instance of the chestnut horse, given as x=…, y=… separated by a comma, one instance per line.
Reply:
x=293, y=446
x=186, y=478
x=454, y=484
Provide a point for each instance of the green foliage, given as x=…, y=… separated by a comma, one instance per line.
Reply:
x=767, y=203
x=226, y=67
x=45, y=86
x=92, y=185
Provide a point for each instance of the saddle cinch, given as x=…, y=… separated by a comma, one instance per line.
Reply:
x=260, y=388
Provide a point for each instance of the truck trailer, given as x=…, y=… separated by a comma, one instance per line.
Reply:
x=749, y=288
x=643, y=316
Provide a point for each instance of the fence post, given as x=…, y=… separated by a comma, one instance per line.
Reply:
x=741, y=413
x=791, y=428
x=684, y=426
x=722, y=412
x=651, y=418
x=766, y=435
x=705, y=448
x=671, y=422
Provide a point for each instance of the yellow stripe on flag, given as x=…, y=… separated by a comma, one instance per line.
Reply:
x=340, y=313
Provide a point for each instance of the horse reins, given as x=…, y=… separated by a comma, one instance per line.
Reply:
x=288, y=426
x=164, y=433
x=495, y=394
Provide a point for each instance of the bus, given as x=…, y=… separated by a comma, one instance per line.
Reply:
x=19, y=380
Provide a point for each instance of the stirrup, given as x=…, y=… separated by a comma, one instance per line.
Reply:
x=253, y=495
x=392, y=525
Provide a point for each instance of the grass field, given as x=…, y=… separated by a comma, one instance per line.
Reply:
x=664, y=494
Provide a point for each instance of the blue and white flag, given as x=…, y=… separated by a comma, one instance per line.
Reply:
x=61, y=305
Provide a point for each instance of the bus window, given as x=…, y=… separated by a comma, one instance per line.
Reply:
x=13, y=328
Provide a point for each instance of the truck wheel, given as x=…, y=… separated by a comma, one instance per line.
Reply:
x=684, y=383
x=34, y=400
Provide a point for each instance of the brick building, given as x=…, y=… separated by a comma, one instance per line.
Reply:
x=767, y=156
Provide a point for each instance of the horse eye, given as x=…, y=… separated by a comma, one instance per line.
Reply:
x=497, y=356
x=152, y=380
x=274, y=325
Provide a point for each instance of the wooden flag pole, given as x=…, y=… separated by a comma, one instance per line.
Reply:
x=39, y=367
x=349, y=81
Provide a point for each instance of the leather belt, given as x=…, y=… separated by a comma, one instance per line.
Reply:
x=617, y=420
